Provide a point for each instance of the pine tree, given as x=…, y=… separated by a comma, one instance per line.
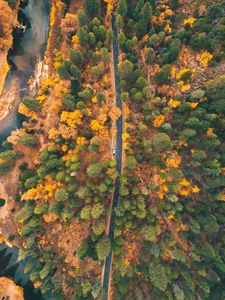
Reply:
x=122, y=8
x=91, y=8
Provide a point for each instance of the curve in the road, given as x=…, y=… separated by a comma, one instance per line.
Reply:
x=119, y=126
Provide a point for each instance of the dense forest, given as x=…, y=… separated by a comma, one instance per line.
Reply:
x=97, y=219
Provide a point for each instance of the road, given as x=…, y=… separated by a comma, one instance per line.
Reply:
x=119, y=126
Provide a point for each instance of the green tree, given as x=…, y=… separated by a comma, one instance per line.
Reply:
x=32, y=104
x=149, y=56
x=94, y=170
x=100, y=97
x=31, y=182
x=91, y=8
x=171, y=54
x=121, y=38
x=103, y=248
x=215, y=92
x=40, y=209
x=149, y=233
x=61, y=195
x=187, y=134
x=199, y=41
x=83, y=36
x=85, y=213
x=76, y=57
x=64, y=70
x=131, y=162
x=109, y=37
x=124, y=96
x=99, y=227
x=119, y=21
x=163, y=75
x=82, y=18
x=97, y=71
x=138, y=8
x=91, y=38
x=161, y=141
x=122, y=8
x=144, y=18
x=95, y=144
x=138, y=96
x=29, y=140
x=125, y=68
x=141, y=83
x=97, y=210
x=186, y=76
x=158, y=276
x=82, y=250
x=105, y=54
x=75, y=72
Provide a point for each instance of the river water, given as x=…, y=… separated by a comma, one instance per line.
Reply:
x=28, y=51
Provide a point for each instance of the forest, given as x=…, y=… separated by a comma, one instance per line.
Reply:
x=115, y=181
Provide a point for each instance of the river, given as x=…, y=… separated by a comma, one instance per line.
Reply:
x=27, y=53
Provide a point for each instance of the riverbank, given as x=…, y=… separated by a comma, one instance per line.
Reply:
x=8, y=20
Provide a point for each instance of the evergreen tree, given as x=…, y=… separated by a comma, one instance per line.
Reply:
x=122, y=8
x=91, y=8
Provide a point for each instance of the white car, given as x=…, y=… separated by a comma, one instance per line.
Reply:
x=114, y=152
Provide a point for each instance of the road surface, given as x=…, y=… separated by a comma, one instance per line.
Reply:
x=119, y=126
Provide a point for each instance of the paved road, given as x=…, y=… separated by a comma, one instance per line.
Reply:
x=119, y=125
